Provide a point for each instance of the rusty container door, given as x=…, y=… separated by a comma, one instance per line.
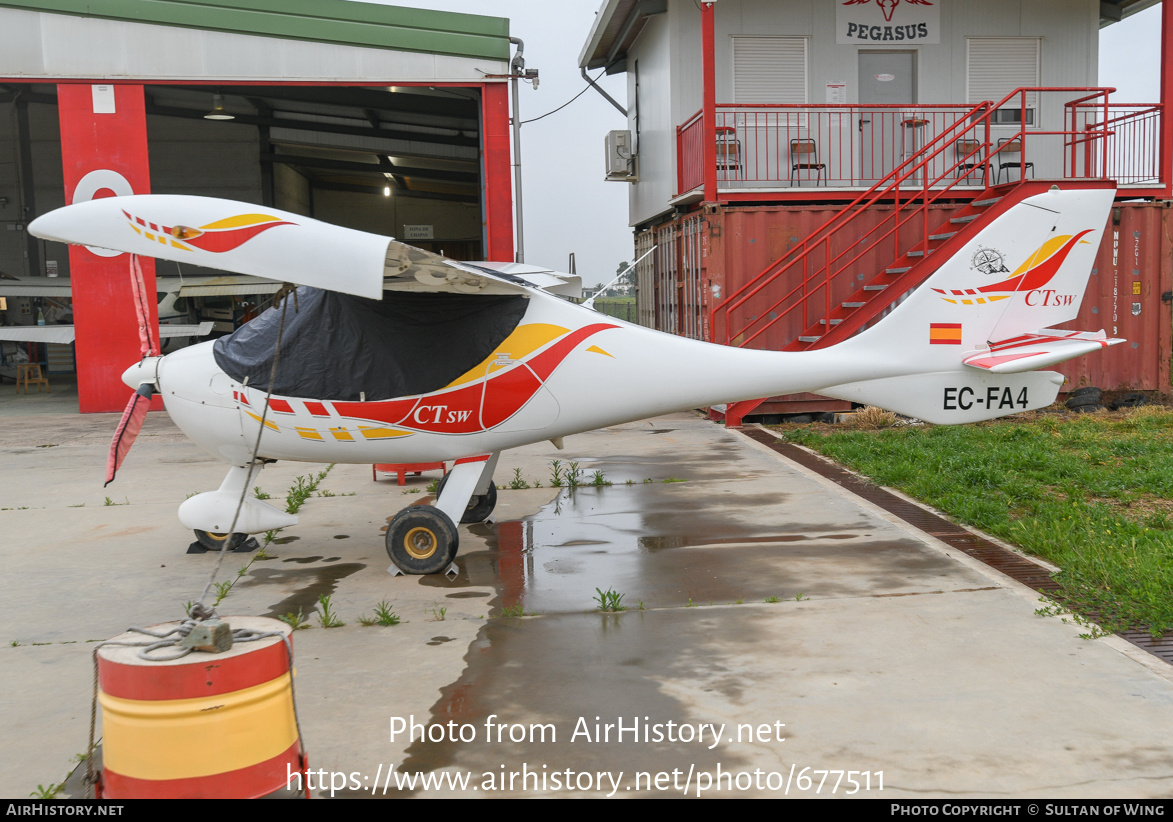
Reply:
x=1128, y=296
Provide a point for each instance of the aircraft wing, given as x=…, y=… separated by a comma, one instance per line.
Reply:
x=65, y=333
x=185, y=330
x=36, y=287
x=37, y=333
x=266, y=242
x=1042, y=348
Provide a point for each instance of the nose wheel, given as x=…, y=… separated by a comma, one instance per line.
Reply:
x=422, y=540
x=215, y=542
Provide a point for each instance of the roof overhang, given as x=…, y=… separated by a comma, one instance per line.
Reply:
x=617, y=25
x=1113, y=11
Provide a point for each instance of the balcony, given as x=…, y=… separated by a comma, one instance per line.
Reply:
x=781, y=152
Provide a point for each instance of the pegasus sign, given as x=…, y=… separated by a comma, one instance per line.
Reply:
x=887, y=21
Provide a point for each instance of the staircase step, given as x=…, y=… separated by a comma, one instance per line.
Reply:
x=833, y=322
x=984, y=203
x=944, y=236
x=874, y=287
x=919, y=253
x=897, y=270
x=967, y=219
x=853, y=305
x=809, y=339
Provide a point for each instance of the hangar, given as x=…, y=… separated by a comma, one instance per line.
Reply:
x=382, y=118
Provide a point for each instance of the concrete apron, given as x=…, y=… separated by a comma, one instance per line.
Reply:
x=775, y=629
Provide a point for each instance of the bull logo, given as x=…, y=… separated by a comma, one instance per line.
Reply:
x=887, y=6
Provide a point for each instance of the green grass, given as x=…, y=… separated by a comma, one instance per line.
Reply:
x=1090, y=493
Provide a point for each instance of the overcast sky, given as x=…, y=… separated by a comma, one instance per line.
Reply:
x=570, y=207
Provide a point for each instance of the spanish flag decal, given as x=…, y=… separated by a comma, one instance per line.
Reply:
x=944, y=333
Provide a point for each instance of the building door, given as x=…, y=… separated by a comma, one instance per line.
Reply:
x=886, y=78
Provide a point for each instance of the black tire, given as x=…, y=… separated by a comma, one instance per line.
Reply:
x=215, y=542
x=422, y=540
x=1087, y=390
x=479, y=505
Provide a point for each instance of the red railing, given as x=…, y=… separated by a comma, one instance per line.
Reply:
x=958, y=154
x=853, y=146
x=690, y=153
x=1130, y=133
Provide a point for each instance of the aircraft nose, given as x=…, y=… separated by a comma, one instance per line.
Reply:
x=142, y=372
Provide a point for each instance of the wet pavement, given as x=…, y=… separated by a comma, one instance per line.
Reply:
x=773, y=629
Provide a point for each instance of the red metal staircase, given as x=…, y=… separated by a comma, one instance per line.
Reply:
x=828, y=284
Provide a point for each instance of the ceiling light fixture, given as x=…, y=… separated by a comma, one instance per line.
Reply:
x=218, y=112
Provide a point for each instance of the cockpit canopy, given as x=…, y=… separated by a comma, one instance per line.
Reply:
x=338, y=347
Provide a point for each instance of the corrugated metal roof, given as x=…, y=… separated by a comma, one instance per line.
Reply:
x=325, y=21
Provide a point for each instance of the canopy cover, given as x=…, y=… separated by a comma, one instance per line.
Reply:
x=339, y=347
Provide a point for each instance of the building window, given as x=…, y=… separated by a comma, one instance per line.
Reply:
x=769, y=70
x=997, y=66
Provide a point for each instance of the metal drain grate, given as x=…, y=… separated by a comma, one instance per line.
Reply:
x=1013, y=565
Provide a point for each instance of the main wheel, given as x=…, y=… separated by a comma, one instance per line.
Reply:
x=422, y=540
x=215, y=542
x=479, y=505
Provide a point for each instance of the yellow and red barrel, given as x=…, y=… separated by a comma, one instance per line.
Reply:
x=202, y=726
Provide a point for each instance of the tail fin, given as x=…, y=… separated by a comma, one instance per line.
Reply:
x=987, y=313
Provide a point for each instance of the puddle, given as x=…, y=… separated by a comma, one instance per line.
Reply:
x=342, y=536
x=308, y=584
x=285, y=540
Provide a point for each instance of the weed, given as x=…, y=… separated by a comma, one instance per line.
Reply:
x=242, y=570
x=647, y=480
x=438, y=614
x=222, y=589
x=738, y=601
x=271, y=535
x=259, y=494
x=771, y=599
x=630, y=482
x=367, y=621
x=573, y=475
x=515, y=610
x=80, y=505
x=48, y=445
x=48, y=791
x=1052, y=608
x=673, y=479
x=262, y=553
x=384, y=615
x=598, y=479
x=433, y=486
x=609, y=600
x=327, y=618
x=800, y=597
x=690, y=604
x=411, y=491
x=640, y=606
x=109, y=502
x=303, y=488
x=15, y=643
x=518, y=484
x=297, y=621
x=557, y=478
x=872, y=417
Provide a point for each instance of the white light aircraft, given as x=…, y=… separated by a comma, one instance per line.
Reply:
x=397, y=355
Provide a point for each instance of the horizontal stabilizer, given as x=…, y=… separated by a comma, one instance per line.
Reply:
x=1037, y=350
x=952, y=397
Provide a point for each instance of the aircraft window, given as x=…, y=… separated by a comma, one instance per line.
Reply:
x=339, y=347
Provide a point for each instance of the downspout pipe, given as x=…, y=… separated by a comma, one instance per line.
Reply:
x=516, y=69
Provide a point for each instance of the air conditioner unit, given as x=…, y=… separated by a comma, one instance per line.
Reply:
x=621, y=162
